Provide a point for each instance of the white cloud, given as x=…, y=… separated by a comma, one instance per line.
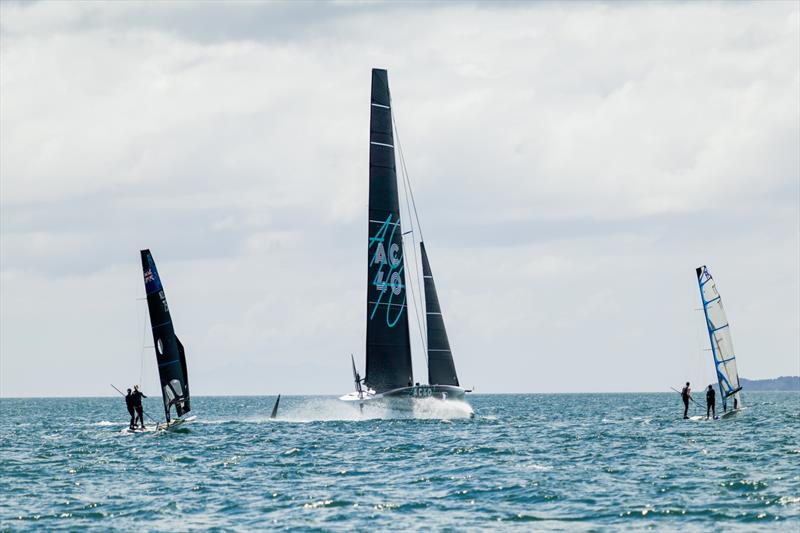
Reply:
x=572, y=165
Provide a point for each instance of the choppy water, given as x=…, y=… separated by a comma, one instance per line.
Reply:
x=526, y=462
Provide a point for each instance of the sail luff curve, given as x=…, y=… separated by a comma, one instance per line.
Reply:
x=388, y=340
x=170, y=354
x=719, y=334
x=441, y=368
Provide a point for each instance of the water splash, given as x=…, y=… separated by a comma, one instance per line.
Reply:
x=331, y=409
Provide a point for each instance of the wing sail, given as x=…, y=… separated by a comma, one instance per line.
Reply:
x=388, y=341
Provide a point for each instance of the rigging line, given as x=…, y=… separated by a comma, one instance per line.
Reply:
x=417, y=281
x=136, y=309
x=417, y=306
x=141, y=352
x=144, y=336
x=410, y=193
x=405, y=171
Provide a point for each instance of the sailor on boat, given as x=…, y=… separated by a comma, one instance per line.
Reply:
x=686, y=395
x=711, y=398
x=136, y=398
x=131, y=410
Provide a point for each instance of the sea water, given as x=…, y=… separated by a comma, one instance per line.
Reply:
x=574, y=462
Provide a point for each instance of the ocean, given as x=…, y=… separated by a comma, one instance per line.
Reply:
x=538, y=462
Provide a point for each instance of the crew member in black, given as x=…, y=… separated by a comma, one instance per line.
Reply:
x=686, y=394
x=136, y=398
x=129, y=405
x=711, y=397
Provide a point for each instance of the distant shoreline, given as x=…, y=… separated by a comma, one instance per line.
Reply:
x=782, y=383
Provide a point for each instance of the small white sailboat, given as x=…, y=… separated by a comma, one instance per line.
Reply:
x=389, y=377
x=719, y=333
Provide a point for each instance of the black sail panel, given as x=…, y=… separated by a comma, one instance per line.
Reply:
x=441, y=369
x=169, y=350
x=183, y=407
x=388, y=340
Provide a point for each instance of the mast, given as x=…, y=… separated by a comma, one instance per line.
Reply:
x=170, y=354
x=441, y=369
x=388, y=342
x=719, y=334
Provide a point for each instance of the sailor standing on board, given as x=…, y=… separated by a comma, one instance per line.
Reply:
x=711, y=397
x=136, y=398
x=686, y=394
x=129, y=405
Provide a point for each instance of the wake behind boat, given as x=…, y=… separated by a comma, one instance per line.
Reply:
x=389, y=377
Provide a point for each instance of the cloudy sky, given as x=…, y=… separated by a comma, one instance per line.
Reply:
x=572, y=165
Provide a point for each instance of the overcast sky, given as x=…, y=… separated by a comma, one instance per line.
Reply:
x=572, y=164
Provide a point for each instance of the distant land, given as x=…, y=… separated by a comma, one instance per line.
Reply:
x=783, y=383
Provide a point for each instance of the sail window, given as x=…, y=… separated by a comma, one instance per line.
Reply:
x=176, y=385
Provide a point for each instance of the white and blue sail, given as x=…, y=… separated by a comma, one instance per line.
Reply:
x=719, y=333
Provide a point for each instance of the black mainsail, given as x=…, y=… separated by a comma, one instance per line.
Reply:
x=441, y=369
x=388, y=340
x=170, y=355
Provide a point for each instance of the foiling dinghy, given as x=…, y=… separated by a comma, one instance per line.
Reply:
x=170, y=355
x=719, y=333
x=389, y=378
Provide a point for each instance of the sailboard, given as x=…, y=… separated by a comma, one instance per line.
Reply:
x=389, y=375
x=170, y=353
x=176, y=423
x=719, y=334
x=133, y=431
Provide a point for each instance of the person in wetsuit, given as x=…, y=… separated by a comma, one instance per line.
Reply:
x=711, y=397
x=686, y=394
x=129, y=405
x=136, y=398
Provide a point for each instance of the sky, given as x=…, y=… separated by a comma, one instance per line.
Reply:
x=572, y=164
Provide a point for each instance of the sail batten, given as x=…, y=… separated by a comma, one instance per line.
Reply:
x=170, y=355
x=388, y=340
x=719, y=333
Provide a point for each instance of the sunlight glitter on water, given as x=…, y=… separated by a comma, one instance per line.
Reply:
x=543, y=462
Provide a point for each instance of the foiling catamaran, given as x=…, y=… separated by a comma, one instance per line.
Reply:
x=719, y=333
x=389, y=377
x=170, y=355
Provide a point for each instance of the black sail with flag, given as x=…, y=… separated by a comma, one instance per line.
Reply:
x=388, y=342
x=169, y=350
x=441, y=369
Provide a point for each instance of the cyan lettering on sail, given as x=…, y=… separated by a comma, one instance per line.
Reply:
x=389, y=272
